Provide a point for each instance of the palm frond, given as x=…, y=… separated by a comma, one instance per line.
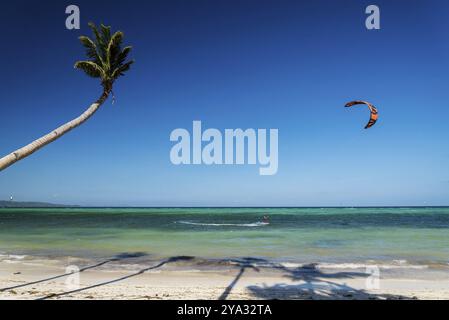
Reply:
x=120, y=71
x=114, y=47
x=105, y=33
x=91, y=49
x=121, y=57
x=107, y=59
x=97, y=35
x=101, y=43
x=90, y=68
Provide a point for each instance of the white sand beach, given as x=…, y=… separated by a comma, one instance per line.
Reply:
x=46, y=279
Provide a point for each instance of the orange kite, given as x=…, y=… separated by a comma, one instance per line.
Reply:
x=372, y=109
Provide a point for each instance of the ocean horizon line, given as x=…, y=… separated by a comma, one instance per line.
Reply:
x=219, y=207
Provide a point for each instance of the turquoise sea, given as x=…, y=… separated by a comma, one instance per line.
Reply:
x=304, y=235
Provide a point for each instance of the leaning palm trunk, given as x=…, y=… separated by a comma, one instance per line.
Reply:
x=52, y=136
x=107, y=61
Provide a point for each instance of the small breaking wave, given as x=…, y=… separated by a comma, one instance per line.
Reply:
x=12, y=257
x=395, y=264
x=254, y=224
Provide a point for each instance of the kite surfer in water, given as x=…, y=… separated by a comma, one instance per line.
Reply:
x=266, y=219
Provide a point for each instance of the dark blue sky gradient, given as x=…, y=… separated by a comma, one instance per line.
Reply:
x=290, y=65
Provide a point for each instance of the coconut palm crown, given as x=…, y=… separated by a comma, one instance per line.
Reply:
x=107, y=58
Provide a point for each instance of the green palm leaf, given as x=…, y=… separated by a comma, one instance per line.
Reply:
x=91, y=49
x=90, y=68
x=114, y=47
x=121, y=57
x=106, y=33
x=120, y=71
x=106, y=58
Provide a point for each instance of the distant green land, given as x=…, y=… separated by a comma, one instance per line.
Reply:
x=19, y=204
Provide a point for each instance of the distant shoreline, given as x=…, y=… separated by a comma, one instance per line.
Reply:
x=20, y=204
x=38, y=205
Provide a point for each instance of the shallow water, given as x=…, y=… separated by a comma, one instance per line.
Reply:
x=326, y=235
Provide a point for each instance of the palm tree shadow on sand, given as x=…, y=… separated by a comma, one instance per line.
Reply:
x=160, y=264
x=314, y=284
x=243, y=264
x=118, y=257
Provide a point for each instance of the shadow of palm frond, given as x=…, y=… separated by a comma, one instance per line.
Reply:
x=243, y=263
x=120, y=256
x=316, y=284
x=318, y=291
x=166, y=261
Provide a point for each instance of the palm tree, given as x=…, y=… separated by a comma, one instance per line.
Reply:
x=106, y=61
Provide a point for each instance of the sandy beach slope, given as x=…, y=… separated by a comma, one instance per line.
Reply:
x=35, y=279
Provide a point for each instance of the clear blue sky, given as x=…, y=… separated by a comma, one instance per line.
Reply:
x=290, y=65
